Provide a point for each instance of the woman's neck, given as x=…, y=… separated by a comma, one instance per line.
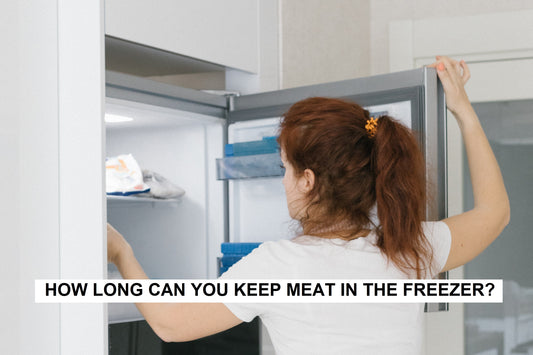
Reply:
x=344, y=230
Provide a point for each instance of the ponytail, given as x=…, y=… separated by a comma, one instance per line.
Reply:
x=356, y=166
x=400, y=196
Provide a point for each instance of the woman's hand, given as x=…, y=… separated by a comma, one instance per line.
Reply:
x=116, y=245
x=170, y=321
x=454, y=75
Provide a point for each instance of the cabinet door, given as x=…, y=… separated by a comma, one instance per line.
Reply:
x=414, y=97
x=221, y=32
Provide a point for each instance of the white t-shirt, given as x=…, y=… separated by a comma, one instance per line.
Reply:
x=353, y=328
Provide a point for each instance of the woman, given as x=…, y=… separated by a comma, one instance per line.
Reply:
x=340, y=164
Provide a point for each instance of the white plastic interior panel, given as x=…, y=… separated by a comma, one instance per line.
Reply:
x=169, y=238
x=148, y=116
x=258, y=208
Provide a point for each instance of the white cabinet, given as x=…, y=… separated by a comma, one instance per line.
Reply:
x=55, y=85
x=220, y=32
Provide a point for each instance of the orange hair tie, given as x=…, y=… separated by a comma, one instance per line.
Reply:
x=371, y=127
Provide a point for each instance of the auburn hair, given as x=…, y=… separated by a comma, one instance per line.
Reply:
x=355, y=171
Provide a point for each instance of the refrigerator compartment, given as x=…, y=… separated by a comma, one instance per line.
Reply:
x=249, y=166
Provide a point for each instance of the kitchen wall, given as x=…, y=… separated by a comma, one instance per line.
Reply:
x=342, y=39
x=382, y=12
x=323, y=41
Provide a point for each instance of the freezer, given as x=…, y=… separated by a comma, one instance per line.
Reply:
x=182, y=134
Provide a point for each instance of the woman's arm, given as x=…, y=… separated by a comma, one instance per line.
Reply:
x=170, y=321
x=474, y=230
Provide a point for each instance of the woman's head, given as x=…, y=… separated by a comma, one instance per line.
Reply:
x=337, y=171
x=327, y=138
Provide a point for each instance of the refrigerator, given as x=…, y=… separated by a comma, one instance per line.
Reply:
x=181, y=133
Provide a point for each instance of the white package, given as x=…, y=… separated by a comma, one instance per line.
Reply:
x=124, y=176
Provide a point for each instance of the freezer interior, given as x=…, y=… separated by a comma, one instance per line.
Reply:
x=174, y=238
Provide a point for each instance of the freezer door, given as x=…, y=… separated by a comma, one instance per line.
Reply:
x=415, y=97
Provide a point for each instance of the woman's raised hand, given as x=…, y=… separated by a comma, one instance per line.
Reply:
x=474, y=230
x=453, y=75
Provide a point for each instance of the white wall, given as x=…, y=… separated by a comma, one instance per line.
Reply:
x=341, y=39
x=324, y=41
x=9, y=259
x=382, y=12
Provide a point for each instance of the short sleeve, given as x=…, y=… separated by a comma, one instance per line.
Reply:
x=252, y=266
x=439, y=237
x=245, y=311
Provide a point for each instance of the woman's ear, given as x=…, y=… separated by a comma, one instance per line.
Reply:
x=307, y=180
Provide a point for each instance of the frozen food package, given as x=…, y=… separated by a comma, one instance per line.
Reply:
x=160, y=187
x=124, y=176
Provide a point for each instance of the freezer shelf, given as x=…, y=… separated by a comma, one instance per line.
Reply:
x=132, y=200
x=249, y=166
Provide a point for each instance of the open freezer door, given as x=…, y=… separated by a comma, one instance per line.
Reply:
x=414, y=97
